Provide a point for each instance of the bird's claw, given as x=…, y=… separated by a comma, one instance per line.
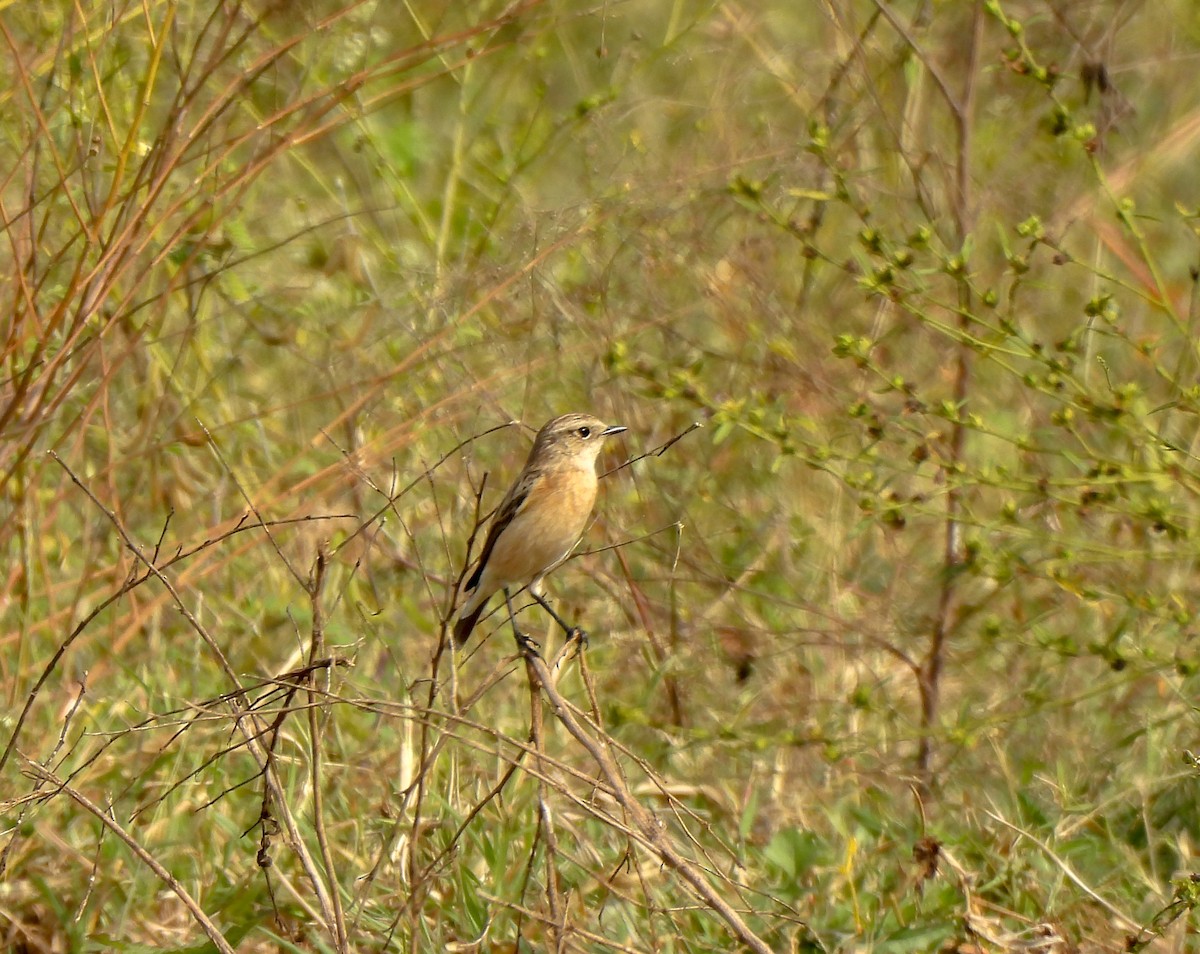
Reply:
x=577, y=635
x=527, y=645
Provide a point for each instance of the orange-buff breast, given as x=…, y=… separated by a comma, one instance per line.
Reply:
x=549, y=525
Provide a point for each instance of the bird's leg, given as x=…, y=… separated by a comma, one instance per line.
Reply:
x=524, y=643
x=573, y=632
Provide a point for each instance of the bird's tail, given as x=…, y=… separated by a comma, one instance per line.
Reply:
x=465, y=623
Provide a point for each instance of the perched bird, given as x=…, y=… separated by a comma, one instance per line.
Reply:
x=541, y=518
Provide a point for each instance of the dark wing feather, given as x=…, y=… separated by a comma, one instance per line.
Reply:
x=462, y=628
x=504, y=516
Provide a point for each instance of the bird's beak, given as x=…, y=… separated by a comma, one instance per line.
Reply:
x=610, y=431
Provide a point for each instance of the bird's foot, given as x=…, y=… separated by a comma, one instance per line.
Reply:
x=577, y=635
x=526, y=645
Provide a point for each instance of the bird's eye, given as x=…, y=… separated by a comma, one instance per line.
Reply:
x=585, y=432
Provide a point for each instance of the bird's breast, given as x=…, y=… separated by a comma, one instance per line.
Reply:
x=554, y=516
x=544, y=529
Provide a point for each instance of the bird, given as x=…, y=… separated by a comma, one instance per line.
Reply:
x=540, y=519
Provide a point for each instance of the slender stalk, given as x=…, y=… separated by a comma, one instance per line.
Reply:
x=646, y=825
x=316, y=716
x=962, y=107
x=105, y=819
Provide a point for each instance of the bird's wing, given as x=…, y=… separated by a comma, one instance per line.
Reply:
x=509, y=507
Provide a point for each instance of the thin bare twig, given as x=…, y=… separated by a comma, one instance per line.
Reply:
x=130, y=584
x=418, y=479
x=646, y=826
x=1124, y=919
x=659, y=450
x=317, y=712
x=216, y=449
x=240, y=713
x=209, y=928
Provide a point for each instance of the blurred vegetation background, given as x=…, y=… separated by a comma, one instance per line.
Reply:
x=900, y=648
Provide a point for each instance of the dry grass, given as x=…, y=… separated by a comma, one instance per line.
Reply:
x=896, y=652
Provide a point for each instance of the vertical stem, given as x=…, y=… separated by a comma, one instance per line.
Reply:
x=929, y=677
x=315, y=712
x=453, y=180
x=555, y=922
x=157, y=44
